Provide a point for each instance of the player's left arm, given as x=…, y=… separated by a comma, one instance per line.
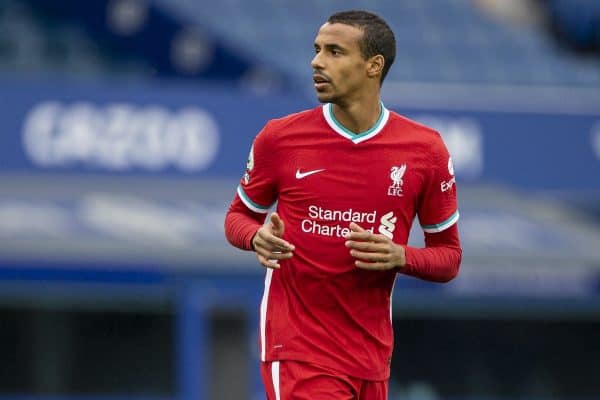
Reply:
x=439, y=261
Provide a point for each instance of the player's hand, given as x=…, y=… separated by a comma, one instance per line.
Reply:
x=268, y=244
x=373, y=251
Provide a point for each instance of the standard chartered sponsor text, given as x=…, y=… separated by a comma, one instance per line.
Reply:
x=318, y=221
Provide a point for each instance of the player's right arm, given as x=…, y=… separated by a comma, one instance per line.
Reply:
x=256, y=193
x=246, y=230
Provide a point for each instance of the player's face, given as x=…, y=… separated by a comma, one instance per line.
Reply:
x=339, y=69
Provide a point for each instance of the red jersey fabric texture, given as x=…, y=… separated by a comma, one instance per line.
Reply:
x=319, y=307
x=302, y=381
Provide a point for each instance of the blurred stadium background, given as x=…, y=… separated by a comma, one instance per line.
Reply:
x=125, y=125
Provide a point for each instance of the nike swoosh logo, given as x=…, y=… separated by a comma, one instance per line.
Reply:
x=300, y=175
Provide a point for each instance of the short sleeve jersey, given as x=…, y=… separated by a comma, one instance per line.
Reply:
x=319, y=307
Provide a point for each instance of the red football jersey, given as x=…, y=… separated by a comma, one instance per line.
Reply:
x=319, y=307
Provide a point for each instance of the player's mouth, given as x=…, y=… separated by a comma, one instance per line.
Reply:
x=320, y=81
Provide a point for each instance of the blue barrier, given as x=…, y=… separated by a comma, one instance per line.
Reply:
x=206, y=131
x=195, y=301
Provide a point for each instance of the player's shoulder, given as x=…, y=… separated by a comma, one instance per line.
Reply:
x=280, y=124
x=424, y=138
x=278, y=131
x=418, y=130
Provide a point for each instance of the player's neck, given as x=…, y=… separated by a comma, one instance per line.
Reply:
x=359, y=116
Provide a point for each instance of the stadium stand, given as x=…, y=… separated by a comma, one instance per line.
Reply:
x=454, y=42
x=33, y=43
x=576, y=24
x=437, y=41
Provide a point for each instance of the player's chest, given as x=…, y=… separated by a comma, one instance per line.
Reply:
x=378, y=175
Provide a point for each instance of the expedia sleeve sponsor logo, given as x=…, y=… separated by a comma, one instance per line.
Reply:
x=120, y=136
x=249, y=166
x=447, y=185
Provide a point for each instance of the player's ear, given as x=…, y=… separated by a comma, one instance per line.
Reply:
x=375, y=65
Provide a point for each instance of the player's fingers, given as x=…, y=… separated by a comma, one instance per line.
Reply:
x=260, y=243
x=365, y=246
x=373, y=266
x=363, y=236
x=356, y=228
x=279, y=244
x=263, y=251
x=367, y=236
x=368, y=256
x=265, y=262
x=280, y=255
x=272, y=242
x=269, y=253
x=278, y=226
x=379, y=238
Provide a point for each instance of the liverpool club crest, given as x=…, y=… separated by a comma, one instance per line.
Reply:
x=396, y=174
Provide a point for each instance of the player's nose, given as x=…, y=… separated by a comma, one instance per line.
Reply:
x=316, y=62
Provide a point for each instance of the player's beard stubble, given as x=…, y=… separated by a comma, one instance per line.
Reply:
x=326, y=91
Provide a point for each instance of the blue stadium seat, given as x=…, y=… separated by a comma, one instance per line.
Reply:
x=438, y=41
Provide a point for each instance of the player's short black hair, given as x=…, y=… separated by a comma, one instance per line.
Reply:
x=378, y=37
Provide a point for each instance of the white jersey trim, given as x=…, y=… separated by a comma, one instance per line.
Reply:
x=348, y=134
x=442, y=226
x=263, y=315
x=249, y=203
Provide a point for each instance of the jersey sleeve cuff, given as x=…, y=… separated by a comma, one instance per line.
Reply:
x=442, y=225
x=249, y=203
